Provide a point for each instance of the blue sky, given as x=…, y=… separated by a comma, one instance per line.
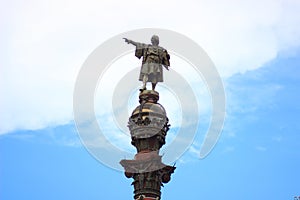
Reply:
x=255, y=50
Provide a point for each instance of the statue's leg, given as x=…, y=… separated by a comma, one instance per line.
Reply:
x=153, y=86
x=145, y=79
x=154, y=82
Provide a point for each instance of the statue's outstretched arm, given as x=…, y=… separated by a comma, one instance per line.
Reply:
x=130, y=42
x=167, y=67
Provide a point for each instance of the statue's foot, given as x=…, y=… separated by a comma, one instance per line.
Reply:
x=153, y=86
x=142, y=89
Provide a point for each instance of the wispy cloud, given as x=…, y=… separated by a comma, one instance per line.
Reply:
x=228, y=149
x=65, y=135
x=277, y=138
x=261, y=148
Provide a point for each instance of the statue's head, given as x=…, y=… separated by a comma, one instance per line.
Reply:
x=155, y=40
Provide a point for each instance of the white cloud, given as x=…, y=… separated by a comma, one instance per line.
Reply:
x=261, y=148
x=44, y=43
x=277, y=138
x=228, y=149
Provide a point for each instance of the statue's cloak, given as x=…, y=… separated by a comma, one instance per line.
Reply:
x=153, y=59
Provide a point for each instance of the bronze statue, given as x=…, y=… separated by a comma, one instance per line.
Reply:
x=154, y=57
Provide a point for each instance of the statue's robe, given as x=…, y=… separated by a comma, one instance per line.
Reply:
x=153, y=59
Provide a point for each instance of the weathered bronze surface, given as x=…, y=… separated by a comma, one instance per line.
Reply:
x=154, y=57
x=148, y=127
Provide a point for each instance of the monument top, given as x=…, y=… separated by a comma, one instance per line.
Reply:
x=154, y=58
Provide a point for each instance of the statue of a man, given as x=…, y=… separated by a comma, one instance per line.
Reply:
x=154, y=57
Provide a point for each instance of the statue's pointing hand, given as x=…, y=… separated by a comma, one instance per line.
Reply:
x=126, y=40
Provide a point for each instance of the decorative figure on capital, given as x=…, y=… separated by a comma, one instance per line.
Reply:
x=154, y=57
